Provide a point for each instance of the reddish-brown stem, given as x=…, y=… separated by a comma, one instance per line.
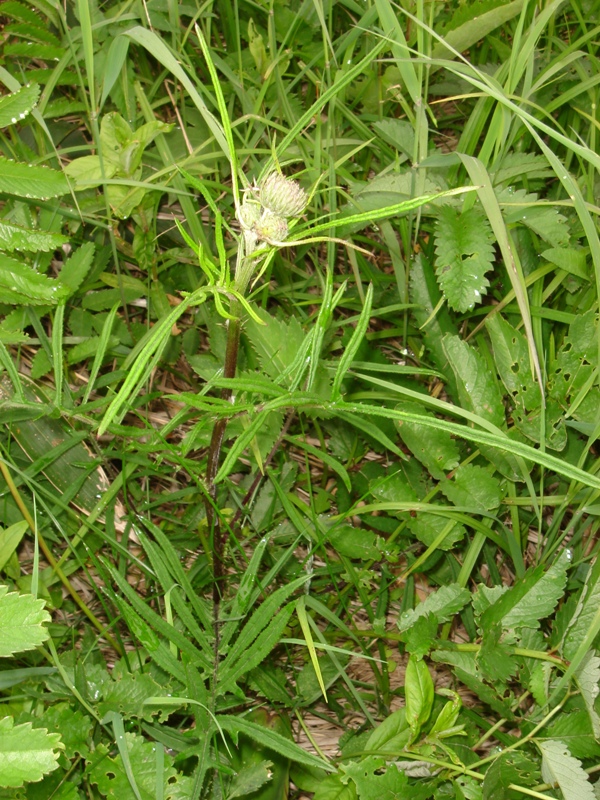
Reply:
x=214, y=457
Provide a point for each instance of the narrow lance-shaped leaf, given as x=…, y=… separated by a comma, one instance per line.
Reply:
x=354, y=343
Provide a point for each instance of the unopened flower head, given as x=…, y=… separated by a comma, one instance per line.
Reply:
x=250, y=212
x=271, y=227
x=282, y=196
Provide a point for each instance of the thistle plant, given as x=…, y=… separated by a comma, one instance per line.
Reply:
x=263, y=216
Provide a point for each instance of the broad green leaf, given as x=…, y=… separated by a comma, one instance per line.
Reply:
x=428, y=527
x=26, y=180
x=21, y=622
x=109, y=773
x=271, y=739
x=372, y=785
x=495, y=658
x=559, y=766
x=547, y=223
x=464, y=33
x=507, y=769
x=477, y=387
x=16, y=106
x=424, y=292
x=276, y=342
x=419, y=693
x=10, y=539
x=26, y=753
x=444, y=603
x=474, y=487
x=75, y=728
x=575, y=730
x=436, y=450
x=14, y=237
x=358, y=543
x=22, y=285
x=392, y=735
x=570, y=260
x=250, y=778
x=464, y=247
x=86, y=171
x=465, y=668
x=511, y=355
x=332, y=788
x=127, y=695
x=530, y=599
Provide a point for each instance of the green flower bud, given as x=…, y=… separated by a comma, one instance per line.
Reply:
x=281, y=195
x=250, y=212
x=271, y=227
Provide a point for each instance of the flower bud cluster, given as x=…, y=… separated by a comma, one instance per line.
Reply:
x=266, y=208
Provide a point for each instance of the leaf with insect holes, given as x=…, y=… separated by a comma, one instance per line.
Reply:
x=559, y=766
x=26, y=753
x=22, y=618
x=509, y=768
x=373, y=784
x=513, y=362
x=16, y=106
x=464, y=246
x=110, y=776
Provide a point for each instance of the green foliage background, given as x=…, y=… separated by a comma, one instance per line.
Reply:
x=399, y=539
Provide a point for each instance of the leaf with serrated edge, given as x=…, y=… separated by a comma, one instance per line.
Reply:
x=21, y=285
x=110, y=776
x=531, y=599
x=587, y=678
x=21, y=621
x=15, y=107
x=26, y=180
x=26, y=753
x=583, y=616
x=443, y=603
x=464, y=253
x=559, y=766
x=14, y=237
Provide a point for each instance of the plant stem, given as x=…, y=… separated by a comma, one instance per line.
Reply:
x=214, y=456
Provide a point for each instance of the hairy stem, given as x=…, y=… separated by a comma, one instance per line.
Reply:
x=214, y=457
